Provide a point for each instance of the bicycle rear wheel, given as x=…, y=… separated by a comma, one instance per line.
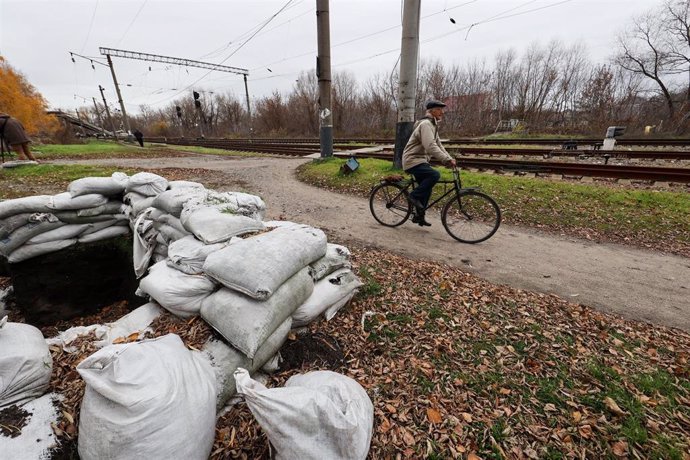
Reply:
x=388, y=204
x=471, y=217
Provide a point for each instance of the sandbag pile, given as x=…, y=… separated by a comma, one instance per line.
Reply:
x=91, y=210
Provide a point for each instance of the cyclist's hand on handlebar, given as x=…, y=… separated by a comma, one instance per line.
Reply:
x=453, y=164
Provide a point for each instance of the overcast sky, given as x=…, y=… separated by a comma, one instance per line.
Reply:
x=37, y=36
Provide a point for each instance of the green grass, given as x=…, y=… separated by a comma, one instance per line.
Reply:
x=211, y=151
x=88, y=148
x=593, y=210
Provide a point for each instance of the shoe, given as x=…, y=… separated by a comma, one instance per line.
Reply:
x=419, y=220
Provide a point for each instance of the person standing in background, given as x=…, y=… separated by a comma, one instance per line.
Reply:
x=140, y=137
x=13, y=135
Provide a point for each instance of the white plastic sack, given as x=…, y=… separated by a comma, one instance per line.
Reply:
x=153, y=399
x=143, y=244
x=228, y=202
x=138, y=320
x=245, y=322
x=188, y=254
x=147, y=184
x=110, y=207
x=177, y=184
x=168, y=232
x=25, y=363
x=213, y=226
x=11, y=223
x=177, y=292
x=38, y=203
x=257, y=266
x=105, y=234
x=336, y=257
x=102, y=185
x=29, y=251
x=23, y=234
x=225, y=360
x=65, y=202
x=61, y=233
x=317, y=415
x=131, y=198
x=73, y=217
x=172, y=201
x=330, y=294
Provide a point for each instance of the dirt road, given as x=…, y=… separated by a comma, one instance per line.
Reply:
x=637, y=284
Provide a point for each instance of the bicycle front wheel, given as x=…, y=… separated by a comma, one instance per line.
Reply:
x=388, y=204
x=471, y=217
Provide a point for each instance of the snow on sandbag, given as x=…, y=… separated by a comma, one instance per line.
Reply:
x=257, y=266
x=172, y=201
x=329, y=295
x=245, y=322
x=225, y=360
x=177, y=184
x=336, y=257
x=62, y=233
x=320, y=414
x=65, y=202
x=25, y=363
x=23, y=234
x=105, y=234
x=29, y=251
x=188, y=254
x=177, y=292
x=153, y=399
x=37, y=439
x=147, y=184
x=38, y=203
x=107, y=186
x=213, y=226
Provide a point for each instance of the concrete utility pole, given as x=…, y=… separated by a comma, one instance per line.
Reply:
x=407, y=89
x=323, y=73
x=119, y=97
x=107, y=112
x=249, y=110
x=98, y=113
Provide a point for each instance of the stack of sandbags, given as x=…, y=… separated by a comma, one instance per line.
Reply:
x=91, y=210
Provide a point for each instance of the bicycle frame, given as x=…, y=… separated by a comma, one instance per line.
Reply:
x=457, y=187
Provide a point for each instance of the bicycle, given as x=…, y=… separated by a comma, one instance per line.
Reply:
x=469, y=216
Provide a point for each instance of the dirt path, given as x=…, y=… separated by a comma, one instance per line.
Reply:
x=637, y=284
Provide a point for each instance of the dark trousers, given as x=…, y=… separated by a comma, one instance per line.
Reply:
x=426, y=177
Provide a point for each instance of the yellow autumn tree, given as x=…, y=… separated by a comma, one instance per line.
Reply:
x=21, y=100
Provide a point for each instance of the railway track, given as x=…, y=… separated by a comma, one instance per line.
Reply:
x=570, y=169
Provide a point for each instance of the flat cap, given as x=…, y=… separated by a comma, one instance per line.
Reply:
x=432, y=104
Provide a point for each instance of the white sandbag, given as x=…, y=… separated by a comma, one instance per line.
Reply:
x=62, y=233
x=98, y=226
x=225, y=360
x=107, y=186
x=317, y=415
x=177, y=292
x=283, y=224
x=131, y=198
x=153, y=399
x=188, y=254
x=38, y=203
x=172, y=201
x=168, y=219
x=37, y=439
x=147, y=184
x=143, y=244
x=16, y=163
x=141, y=205
x=257, y=266
x=29, y=251
x=25, y=363
x=336, y=257
x=12, y=223
x=328, y=293
x=23, y=234
x=177, y=184
x=111, y=207
x=73, y=217
x=239, y=203
x=65, y=202
x=213, y=226
x=169, y=233
x=105, y=234
x=138, y=320
x=245, y=322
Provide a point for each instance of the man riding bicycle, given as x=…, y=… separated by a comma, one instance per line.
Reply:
x=424, y=144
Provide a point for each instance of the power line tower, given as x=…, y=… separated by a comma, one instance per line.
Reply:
x=175, y=61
